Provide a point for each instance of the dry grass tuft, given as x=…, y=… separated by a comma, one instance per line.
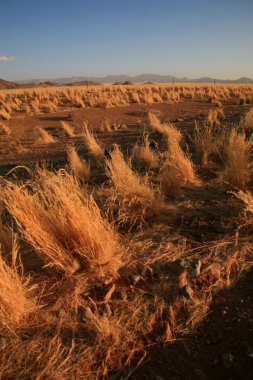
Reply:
x=247, y=120
x=67, y=129
x=209, y=142
x=17, y=298
x=4, y=129
x=145, y=155
x=79, y=168
x=92, y=144
x=45, y=136
x=64, y=227
x=134, y=195
x=155, y=123
x=4, y=115
x=237, y=153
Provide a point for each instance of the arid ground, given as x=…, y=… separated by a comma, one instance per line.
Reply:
x=126, y=232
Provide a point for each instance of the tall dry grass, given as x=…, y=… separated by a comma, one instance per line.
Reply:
x=247, y=121
x=93, y=145
x=63, y=225
x=17, y=297
x=237, y=159
x=145, y=155
x=4, y=129
x=66, y=127
x=178, y=168
x=135, y=197
x=79, y=168
x=209, y=141
x=45, y=136
x=4, y=115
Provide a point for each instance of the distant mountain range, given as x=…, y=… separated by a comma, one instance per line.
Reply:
x=143, y=78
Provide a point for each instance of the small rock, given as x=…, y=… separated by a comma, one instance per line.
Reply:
x=227, y=360
x=199, y=374
x=26, y=336
x=123, y=295
x=207, y=342
x=135, y=279
x=123, y=127
x=186, y=291
x=218, y=227
x=159, y=377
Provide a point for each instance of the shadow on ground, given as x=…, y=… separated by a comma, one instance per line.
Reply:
x=220, y=349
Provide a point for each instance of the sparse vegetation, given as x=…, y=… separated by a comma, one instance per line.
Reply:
x=79, y=168
x=108, y=252
x=92, y=144
x=237, y=150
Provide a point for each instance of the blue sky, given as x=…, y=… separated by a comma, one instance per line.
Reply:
x=59, y=38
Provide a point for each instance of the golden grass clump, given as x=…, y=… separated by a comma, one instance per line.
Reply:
x=66, y=127
x=237, y=159
x=145, y=155
x=79, y=168
x=170, y=181
x=17, y=298
x=45, y=136
x=63, y=225
x=135, y=197
x=155, y=123
x=92, y=144
x=4, y=115
x=247, y=120
x=247, y=199
x=4, y=129
x=214, y=116
x=173, y=135
x=208, y=141
x=177, y=169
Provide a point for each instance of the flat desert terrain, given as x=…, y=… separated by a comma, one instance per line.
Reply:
x=126, y=232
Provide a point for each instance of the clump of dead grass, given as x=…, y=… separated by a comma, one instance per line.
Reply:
x=247, y=120
x=155, y=123
x=145, y=155
x=17, y=298
x=79, y=168
x=237, y=153
x=66, y=127
x=63, y=225
x=209, y=141
x=4, y=115
x=4, y=129
x=45, y=136
x=136, y=198
x=93, y=145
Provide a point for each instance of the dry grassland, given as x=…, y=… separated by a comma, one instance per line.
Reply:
x=123, y=246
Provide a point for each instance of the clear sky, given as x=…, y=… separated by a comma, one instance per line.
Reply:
x=60, y=38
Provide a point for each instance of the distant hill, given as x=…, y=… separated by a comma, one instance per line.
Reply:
x=5, y=84
x=143, y=78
